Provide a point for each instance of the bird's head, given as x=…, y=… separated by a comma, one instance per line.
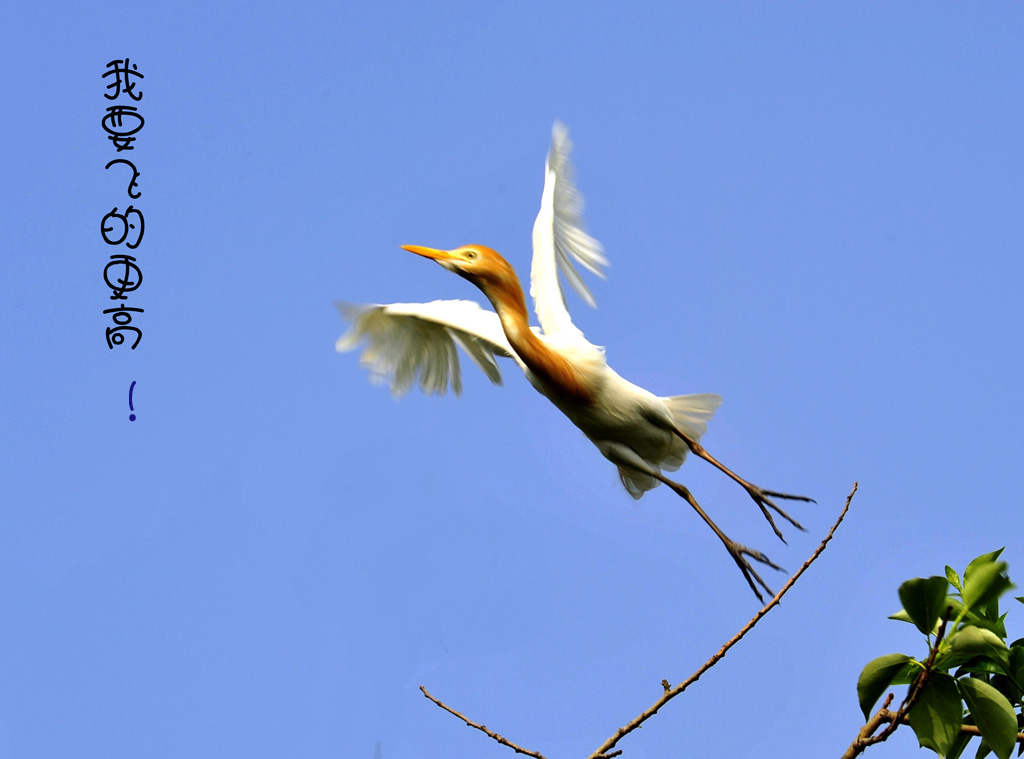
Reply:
x=477, y=263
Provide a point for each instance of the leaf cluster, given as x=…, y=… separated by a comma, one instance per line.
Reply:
x=970, y=675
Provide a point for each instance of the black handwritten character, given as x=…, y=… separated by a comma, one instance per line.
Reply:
x=135, y=176
x=122, y=79
x=114, y=121
x=126, y=225
x=114, y=336
x=127, y=283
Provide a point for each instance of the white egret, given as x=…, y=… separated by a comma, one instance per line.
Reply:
x=639, y=432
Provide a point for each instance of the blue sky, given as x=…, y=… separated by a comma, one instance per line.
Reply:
x=817, y=212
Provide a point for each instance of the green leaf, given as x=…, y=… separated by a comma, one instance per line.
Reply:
x=1007, y=687
x=967, y=617
x=961, y=740
x=951, y=601
x=976, y=647
x=957, y=606
x=876, y=676
x=998, y=626
x=959, y=744
x=1020, y=598
x=924, y=599
x=992, y=714
x=982, y=666
x=906, y=675
x=985, y=558
x=972, y=640
x=953, y=577
x=936, y=717
x=985, y=584
x=1016, y=667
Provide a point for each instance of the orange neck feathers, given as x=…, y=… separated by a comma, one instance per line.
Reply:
x=553, y=369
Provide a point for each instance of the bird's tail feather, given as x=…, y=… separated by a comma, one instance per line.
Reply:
x=692, y=413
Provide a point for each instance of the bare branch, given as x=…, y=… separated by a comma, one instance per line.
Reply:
x=670, y=693
x=483, y=728
x=866, y=736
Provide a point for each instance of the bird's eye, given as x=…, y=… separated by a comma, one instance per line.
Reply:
x=470, y=255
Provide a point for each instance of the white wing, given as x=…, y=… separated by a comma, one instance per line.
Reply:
x=406, y=340
x=559, y=239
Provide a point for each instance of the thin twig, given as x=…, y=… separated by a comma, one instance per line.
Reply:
x=864, y=736
x=670, y=693
x=483, y=728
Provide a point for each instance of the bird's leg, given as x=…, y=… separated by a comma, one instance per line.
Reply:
x=737, y=551
x=626, y=458
x=762, y=497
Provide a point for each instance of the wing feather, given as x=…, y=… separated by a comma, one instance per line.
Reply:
x=410, y=342
x=560, y=240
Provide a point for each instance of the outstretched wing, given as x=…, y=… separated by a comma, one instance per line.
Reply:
x=410, y=340
x=559, y=239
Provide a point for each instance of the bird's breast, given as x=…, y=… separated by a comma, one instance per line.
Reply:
x=621, y=411
x=568, y=374
x=561, y=383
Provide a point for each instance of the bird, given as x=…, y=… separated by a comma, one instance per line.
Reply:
x=641, y=433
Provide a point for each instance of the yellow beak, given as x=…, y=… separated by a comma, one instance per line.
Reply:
x=432, y=253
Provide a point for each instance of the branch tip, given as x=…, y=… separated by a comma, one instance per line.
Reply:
x=483, y=728
x=671, y=693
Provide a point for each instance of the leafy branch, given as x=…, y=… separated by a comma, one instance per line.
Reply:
x=969, y=684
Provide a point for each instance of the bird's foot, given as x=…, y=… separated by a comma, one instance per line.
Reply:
x=763, y=499
x=739, y=554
